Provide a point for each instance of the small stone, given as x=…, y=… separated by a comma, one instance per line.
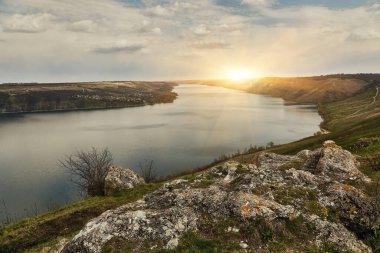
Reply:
x=243, y=245
x=173, y=243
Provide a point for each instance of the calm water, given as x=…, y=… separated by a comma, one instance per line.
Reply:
x=203, y=123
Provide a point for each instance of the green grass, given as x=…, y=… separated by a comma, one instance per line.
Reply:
x=64, y=222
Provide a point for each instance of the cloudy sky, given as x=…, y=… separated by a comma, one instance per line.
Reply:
x=88, y=40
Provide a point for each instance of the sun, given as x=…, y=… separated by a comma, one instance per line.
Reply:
x=240, y=75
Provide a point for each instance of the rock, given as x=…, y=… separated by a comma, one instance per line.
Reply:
x=303, y=154
x=338, y=163
x=233, y=229
x=134, y=226
x=308, y=185
x=338, y=235
x=355, y=209
x=172, y=243
x=243, y=245
x=119, y=179
x=56, y=248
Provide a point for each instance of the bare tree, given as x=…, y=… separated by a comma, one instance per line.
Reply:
x=270, y=144
x=89, y=169
x=147, y=171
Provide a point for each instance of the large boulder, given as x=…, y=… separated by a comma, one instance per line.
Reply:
x=338, y=163
x=119, y=179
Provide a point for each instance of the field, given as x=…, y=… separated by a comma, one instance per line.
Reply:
x=18, y=98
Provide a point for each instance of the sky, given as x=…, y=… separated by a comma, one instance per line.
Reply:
x=99, y=40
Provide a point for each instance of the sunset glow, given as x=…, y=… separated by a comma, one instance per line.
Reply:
x=239, y=75
x=176, y=40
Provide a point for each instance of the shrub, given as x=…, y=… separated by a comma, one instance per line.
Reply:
x=89, y=169
x=148, y=172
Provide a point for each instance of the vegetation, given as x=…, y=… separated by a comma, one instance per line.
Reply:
x=147, y=171
x=34, y=97
x=89, y=169
x=305, y=90
x=373, y=162
x=33, y=233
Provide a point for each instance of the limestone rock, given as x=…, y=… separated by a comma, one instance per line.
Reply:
x=310, y=184
x=121, y=178
x=338, y=163
x=338, y=235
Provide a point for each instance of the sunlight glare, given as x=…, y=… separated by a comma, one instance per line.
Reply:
x=240, y=75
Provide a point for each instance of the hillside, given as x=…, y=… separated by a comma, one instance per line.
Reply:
x=305, y=90
x=17, y=98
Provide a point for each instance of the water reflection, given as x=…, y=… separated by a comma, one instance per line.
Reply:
x=203, y=123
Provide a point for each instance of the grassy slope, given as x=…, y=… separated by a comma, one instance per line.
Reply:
x=345, y=131
x=33, y=233
x=305, y=90
x=348, y=120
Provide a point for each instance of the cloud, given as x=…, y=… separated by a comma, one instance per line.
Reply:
x=157, y=31
x=87, y=26
x=157, y=11
x=119, y=39
x=218, y=44
x=201, y=30
x=32, y=23
x=146, y=28
x=375, y=7
x=119, y=46
x=259, y=3
x=364, y=35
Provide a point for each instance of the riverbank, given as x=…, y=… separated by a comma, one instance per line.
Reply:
x=56, y=97
x=304, y=90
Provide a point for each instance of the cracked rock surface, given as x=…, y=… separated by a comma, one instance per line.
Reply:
x=308, y=184
x=118, y=179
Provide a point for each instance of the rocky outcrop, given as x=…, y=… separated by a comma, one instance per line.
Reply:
x=119, y=179
x=335, y=163
x=310, y=185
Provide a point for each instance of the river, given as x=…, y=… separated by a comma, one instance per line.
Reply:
x=202, y=123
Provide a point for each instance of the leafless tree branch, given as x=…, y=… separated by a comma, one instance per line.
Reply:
x=89, y=169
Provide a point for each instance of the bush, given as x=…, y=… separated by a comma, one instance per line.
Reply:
x=374, y=162
x=89, y=170
x=148, y=172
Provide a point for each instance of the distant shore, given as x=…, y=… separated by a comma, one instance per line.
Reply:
x=37, y=98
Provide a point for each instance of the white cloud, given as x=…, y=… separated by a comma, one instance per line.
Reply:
x=32, y=23
x=201, y=30
x=119, y=46
x=157, y=31
x=213, y=44
x=157, y=11
x=88, y=26
x=364, y=35
x=259, y=3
